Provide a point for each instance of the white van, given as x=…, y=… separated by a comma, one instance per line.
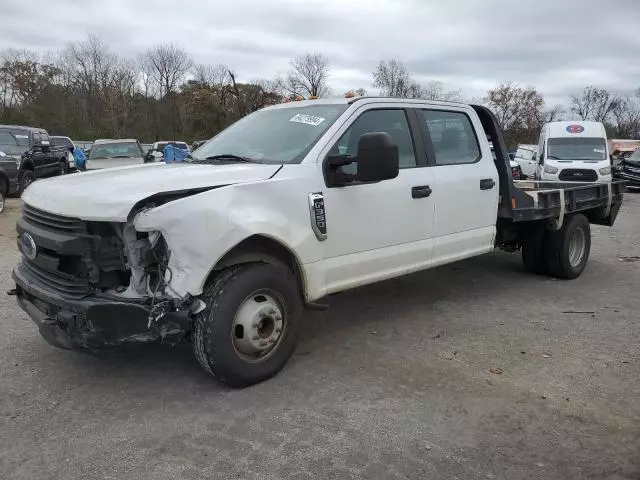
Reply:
x=573, y=152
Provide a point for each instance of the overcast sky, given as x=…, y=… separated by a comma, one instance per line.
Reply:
x=557, y=45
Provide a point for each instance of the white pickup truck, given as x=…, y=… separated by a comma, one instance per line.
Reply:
x=287, y=206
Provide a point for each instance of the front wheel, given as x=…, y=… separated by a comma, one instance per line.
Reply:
x=250, y=326
x=26, y=178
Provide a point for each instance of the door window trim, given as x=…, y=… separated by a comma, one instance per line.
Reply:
x=419, y=150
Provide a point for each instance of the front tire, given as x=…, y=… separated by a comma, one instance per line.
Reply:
x=27, y=177
x=251, y=324
x=567, y=250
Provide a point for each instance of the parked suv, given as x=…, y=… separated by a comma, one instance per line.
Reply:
x=27, y=154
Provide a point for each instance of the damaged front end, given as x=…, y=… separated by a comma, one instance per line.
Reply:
x=90, y=285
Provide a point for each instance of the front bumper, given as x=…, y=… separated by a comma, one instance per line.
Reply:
x=95, y=322
x=632, y=180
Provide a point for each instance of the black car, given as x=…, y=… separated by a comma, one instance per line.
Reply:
x=629, y=170
x=26, y=154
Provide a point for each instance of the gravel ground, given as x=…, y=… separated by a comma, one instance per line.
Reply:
x=394, y=381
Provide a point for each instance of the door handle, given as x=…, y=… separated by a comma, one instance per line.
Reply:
x=487, y=184
x=422, y=191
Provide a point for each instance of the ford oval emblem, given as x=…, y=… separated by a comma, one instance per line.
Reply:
x=28, y=246
x=575, y=129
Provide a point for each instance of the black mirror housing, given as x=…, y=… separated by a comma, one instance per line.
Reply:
x=378, y=157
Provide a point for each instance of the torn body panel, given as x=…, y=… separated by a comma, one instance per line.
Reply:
x=201, y=229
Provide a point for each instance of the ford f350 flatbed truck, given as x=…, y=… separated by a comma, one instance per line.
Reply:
x=287, y=206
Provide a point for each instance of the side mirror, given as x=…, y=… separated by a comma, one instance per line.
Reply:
x=156, y=154
x=377, y=157
x=534, y=157
x=541, y=159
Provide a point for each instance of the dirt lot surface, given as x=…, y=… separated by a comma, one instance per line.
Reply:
x=394, y=381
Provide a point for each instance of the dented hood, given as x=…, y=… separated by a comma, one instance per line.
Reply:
x=110, y=194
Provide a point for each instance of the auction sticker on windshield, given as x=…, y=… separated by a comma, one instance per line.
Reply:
x=307, y=119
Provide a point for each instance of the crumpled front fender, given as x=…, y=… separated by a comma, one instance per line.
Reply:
x=200, y=229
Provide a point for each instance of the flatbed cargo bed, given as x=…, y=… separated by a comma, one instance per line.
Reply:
x=541, y=200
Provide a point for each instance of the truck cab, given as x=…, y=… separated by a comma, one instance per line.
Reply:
x=573, y=152
x=28, y=155
x=287, y=206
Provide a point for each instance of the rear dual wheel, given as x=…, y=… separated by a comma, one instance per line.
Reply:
x=563, y=253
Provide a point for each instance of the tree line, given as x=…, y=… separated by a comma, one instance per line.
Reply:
x=86, y=91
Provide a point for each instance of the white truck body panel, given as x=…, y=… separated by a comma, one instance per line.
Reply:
x=375, y=230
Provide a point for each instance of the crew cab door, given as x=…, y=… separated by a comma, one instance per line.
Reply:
x=465, y=183
x=38, y=156
x=51, y=158
x=384, y=229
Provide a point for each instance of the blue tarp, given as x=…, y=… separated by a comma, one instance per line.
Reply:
x=79, y=158
x=174, y=154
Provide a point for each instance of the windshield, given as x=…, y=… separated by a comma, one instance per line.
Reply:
x=582, y=148
x=115, y=150
x=635, y=156
x=13, y=142
x=282, y=135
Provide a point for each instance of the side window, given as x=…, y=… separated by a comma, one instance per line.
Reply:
x=453, y=138
x=392, y=121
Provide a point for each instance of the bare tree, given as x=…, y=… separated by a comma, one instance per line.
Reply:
x=167, y=65
x=553, y=115
x=519, y=111
x=593, y=103
x=514, y=105
x=309, y=76
x=627, y=116
x=392, y=78
x=358, y=92
x=211, y=75
x=435, y=91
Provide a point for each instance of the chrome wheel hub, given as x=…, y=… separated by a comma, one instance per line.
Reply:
x=258, y=326
x=577, y=245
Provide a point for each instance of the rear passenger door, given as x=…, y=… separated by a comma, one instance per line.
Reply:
x=39, y=156
x=465, y=189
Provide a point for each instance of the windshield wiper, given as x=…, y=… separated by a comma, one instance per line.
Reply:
x=228, y=157
x=122, y=156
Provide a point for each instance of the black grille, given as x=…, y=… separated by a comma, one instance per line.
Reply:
x=578, y=175
x=52, y=222
x=67, y=285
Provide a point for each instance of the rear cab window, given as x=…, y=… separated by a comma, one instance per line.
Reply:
x=453, y=137
x=61, y=142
